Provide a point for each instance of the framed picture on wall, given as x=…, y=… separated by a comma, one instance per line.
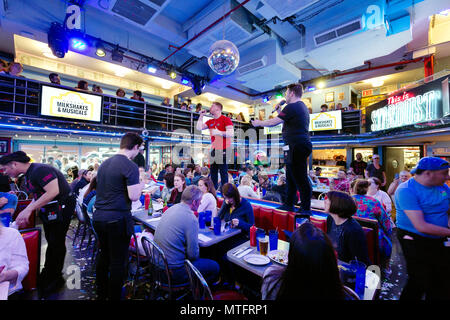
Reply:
x=329, y=97
x=341, y=96
x=5, y=145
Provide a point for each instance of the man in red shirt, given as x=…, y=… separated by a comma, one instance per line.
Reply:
x=221, y=130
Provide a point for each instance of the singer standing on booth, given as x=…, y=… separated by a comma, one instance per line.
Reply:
x=221, y=130
x=298, y=147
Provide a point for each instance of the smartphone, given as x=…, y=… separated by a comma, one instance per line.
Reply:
x=396, y=176
x=300, y=219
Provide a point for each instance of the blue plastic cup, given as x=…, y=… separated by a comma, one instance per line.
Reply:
x=264, y=191
x=359, y=269
x=137, y=228
x=260, y=233
x=273, y=240
x=208, y=217
x=201, y=220
x=5, y=218
x=142, y=199
x=217, y=225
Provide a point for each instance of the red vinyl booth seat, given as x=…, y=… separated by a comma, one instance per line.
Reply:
x=22, y=204
x=370, y=228
x=266, y=218
x=256, y=215
x=32, y=238
x=280, y=222
x=320, y=223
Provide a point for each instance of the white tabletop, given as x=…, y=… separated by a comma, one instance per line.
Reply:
x=4, y=289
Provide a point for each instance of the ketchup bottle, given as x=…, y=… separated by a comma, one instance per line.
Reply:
x=253, y=236
x=147, y=201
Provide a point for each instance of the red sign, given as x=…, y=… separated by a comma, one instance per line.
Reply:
x=397, y=99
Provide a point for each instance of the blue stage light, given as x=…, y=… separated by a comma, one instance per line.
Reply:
x=184, y=80
x=151, y=68
x=78, y=44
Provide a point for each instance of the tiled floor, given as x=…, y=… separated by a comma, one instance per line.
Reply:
x=81, y=259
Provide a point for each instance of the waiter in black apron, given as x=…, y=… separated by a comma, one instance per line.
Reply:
x=56, y=205
x=298, y=147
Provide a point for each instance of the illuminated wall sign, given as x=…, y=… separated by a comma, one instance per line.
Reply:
x=421, y=104
x=331, y=120
x=62, y=103
x=273, y=130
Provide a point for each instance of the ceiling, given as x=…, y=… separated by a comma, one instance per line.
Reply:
x=279, y=41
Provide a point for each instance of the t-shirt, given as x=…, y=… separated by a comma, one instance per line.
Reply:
x=434, y=202
x=358, y=167
x=12, y=201
x=296, y=123
x=114, y=176
x=39, y=175
x=221, y=123
x=374, y=172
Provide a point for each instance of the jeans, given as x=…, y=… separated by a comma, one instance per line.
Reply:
x=55, y=234
x=207, y=267
x=222, y=166
x=428, y=264
x=297, y=176
x=114, y=239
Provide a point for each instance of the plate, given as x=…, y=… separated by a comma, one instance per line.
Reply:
x=279, y=256
x=256, y=259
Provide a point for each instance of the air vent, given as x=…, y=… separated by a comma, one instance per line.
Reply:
x=134, y=10
x=252, y=66
x=349, y=28
x=338, y=32
x=158, y=2
x=326, y=37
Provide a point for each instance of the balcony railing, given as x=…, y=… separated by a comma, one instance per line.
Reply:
x=21, y=97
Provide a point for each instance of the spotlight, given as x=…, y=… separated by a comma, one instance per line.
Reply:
x=198, y=86
x=184, y=80
x=172, y=74
x=117, y=55
x=279, y=95
x=78, y=44
x=321, y=84
x=57, y=40
x=151, y=68
x=100, y=51
x=265, y=99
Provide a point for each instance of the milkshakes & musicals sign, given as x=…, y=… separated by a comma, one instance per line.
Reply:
x=62, y=103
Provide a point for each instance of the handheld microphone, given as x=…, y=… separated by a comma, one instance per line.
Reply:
x=282, y=102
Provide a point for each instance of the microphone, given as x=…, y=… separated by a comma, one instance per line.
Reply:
x=282, y=102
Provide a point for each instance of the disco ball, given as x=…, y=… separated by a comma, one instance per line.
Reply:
x=223, y=57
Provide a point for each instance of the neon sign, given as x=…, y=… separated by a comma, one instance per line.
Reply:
x=408, y=111
x=397, y=99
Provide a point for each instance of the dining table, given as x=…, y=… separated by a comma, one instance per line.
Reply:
x=238, y=255
x=206, y=235
x=4, y=290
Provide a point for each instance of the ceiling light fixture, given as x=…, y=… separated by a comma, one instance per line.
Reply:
x=100, y=50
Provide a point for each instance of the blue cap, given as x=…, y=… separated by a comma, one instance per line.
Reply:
x=431, y=163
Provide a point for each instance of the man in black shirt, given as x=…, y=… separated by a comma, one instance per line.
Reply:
x=117, y=186
x=295, y=119
x=47, y=184
x=358, y=165
x=139, y=159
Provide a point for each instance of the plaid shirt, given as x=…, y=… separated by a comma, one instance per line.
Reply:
x=342, y=185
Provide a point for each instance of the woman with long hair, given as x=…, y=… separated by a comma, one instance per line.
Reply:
x=209, y=198
x=179, y=182
x=312, y=272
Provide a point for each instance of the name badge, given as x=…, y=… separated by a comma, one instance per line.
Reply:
x=286, y=148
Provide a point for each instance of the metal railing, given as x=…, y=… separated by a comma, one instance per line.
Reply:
x=20, y=97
